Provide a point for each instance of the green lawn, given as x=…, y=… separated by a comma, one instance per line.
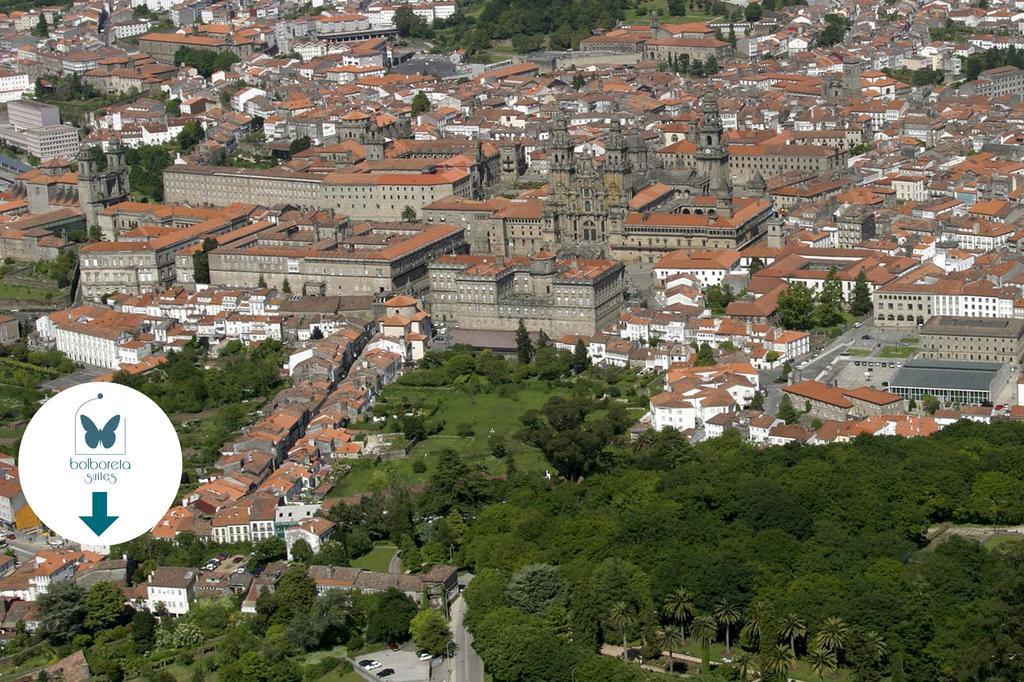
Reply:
x=911, y=340
x=897, y=351
x=999, y=540
x=859, y=352
x=27, y=293
x=643, y=10
x=801, y=671
x=378, y=559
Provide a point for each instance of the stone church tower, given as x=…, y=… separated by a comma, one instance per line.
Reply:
x=712, y=156
x=97, y=188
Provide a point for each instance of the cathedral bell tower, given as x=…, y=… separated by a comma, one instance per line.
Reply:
x=712, y=156
x=97, y=188
x=561, y=168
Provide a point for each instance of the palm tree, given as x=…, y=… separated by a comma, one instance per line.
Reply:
x=875, y=646
x=644, y=441
x=834, y=635
x=775, y=661
x=759, y=616
x=744, y=661
x=669, y=639
x=623, y=618
x=727, y=615
x=822, y=661
x=792, y=628
x=705, y=629
x=679, y=608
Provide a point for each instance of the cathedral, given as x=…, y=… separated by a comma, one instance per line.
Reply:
x=628, y=209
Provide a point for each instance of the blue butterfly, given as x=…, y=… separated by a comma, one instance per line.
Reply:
x=94, y=436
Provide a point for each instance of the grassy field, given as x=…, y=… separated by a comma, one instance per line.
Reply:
x=378, y=559
x=896, y=351
x=481, y=414
x=20, y=292
x=642, y=10
x=801, y=671
x=859, y=352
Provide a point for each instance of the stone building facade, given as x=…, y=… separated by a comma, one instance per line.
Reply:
x=376, y=258
x=973, y=339
x=558, y=296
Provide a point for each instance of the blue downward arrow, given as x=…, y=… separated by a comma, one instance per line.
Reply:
x=99, y=521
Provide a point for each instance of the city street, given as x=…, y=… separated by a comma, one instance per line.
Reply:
x=465, y=665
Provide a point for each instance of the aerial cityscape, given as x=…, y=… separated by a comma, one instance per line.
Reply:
x=521, y=340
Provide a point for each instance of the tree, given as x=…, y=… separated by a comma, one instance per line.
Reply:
x=535, y=588
x=42, y=29
x=795, y=307
x=389, y=621
x=578, y=81
x=787, y=412
x=821, y=661
x=294, y=595
x=792, y=628
x=727, y=615
x=299, y=144
x=718, y=297
x=410, y=24
x=286, y=286
x=430, y=631
x=62, y=611
x=860, y=296
x=668, y=639
x=930, y=404
x=580, y=357
x=301, y=551
x=757, y=402
x=677, y=8
x=622, y=617
x=705, y=630
x=753, y=12
x=829, y=308
x=104, y=606
x=201, y=261
x=524, y=347
x=192, y=133
x=705, y=356
x=680, y=608
x=408, y=214
x=452, y=485
x=420, y=103
x=834, y=635
x=776, y=660
x=143, y=630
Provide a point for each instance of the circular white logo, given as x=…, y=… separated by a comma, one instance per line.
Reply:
x=100, y=463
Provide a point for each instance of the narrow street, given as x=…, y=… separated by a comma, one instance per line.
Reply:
x=465, y=665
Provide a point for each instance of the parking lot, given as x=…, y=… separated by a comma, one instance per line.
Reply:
x=407, y=667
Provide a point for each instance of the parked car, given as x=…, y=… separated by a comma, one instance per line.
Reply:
x=424, y=655
x=393, y=646
x=11, y=536
x=369, y=664
x=386, y=672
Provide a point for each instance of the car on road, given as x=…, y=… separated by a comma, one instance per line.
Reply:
x=856, y=325
x=866, y=337
x=369, y=664
x=386, y=672
x=424, y=655
x=11, y=536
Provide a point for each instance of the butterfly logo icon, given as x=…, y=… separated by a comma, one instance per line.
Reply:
x=95, y=436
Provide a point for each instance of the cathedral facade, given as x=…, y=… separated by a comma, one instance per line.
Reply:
x=629, y=209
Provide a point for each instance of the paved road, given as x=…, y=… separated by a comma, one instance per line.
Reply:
x=395, y=565
x=466, y=665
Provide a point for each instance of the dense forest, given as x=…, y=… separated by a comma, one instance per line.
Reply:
x=816, y=554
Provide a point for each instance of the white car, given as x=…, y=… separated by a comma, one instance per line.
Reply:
x=424, y=655
x=369, y=665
